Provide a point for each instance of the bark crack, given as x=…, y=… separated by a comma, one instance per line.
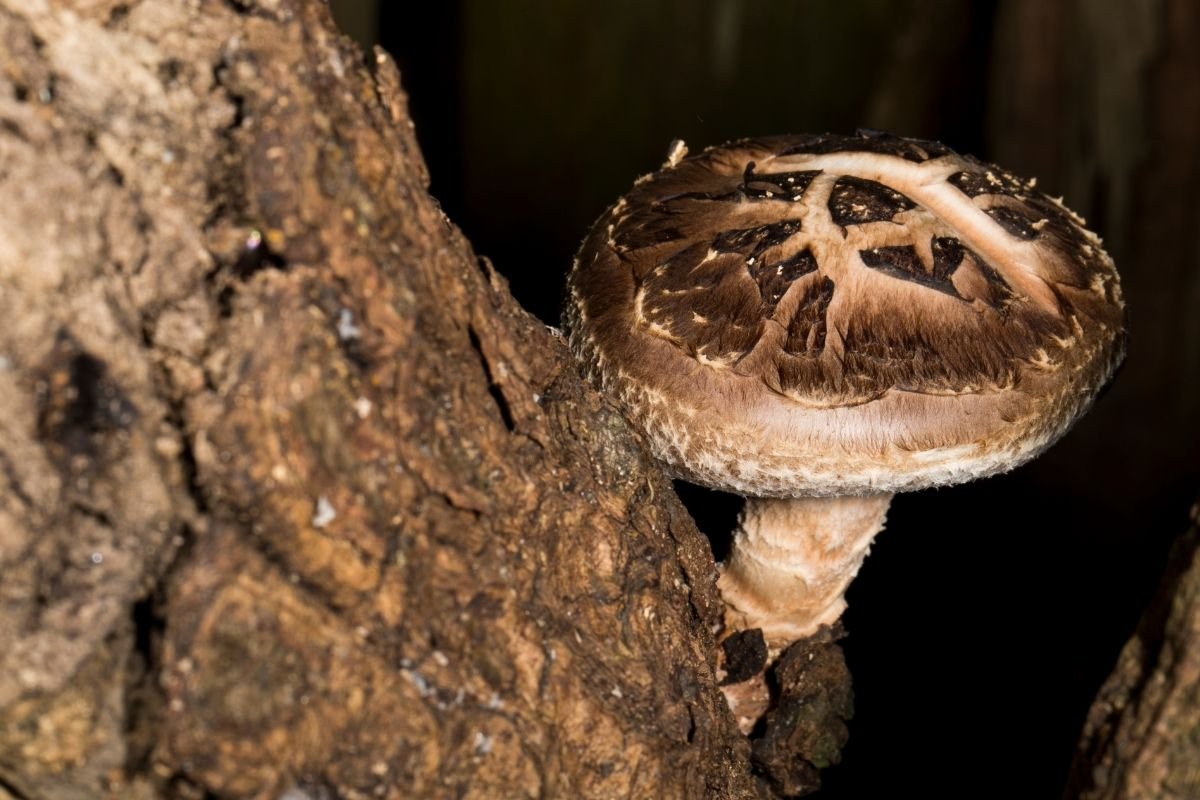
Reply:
x=503, y=409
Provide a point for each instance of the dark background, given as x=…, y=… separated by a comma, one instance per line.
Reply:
x=988, y=614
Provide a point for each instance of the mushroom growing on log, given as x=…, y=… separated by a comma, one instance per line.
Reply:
x=818, y=322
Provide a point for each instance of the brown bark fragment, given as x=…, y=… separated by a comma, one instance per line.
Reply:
x=806, y=729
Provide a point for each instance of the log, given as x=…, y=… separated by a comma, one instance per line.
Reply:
x=295, y=500
x=1139, y=741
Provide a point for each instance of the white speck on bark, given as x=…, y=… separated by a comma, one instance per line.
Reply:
x=346, y=329
x=324, y=514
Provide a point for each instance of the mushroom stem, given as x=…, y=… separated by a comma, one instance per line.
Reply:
x=792, y=560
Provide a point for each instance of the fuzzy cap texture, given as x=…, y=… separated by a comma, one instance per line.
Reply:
x=828, y=315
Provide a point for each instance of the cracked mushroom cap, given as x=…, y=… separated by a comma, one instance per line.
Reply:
x=826, y=315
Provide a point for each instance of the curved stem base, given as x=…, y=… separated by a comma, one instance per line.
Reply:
x=792, y=560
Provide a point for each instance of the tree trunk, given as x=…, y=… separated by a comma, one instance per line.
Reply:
x=1139, y=742
x=293, y=495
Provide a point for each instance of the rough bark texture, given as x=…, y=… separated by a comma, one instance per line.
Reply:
x=811, y=686
x=1142, y=736
x=293, y=495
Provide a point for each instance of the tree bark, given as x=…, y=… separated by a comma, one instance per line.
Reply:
x=293, y=495
x=1139, y=742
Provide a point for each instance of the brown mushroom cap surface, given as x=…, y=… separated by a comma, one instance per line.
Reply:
x=827, y=315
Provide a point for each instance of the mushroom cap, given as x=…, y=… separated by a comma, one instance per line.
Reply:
x=829, y=315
